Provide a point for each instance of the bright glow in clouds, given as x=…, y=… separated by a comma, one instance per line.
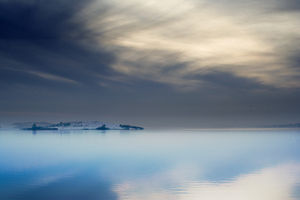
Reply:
x=198, y=37
x=276, y=183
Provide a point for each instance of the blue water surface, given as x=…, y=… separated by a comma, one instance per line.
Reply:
x=238, y=164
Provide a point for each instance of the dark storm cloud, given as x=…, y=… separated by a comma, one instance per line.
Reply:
x=167, y=61
x=290, y=5
x=61, y=58
x=267, y=5
x=226, y=80
x=294, y=58
x=42, y=40
x=40, y=19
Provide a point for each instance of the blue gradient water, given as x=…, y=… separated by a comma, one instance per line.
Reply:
x=198, y=164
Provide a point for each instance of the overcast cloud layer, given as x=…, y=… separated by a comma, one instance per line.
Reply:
x=192, y=63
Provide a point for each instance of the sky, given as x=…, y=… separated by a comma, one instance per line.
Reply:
x=171, y=63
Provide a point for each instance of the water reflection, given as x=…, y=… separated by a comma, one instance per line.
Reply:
x=210, y=165
x=277, y=183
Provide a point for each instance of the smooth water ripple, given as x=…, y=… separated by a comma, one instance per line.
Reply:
x=183, y=165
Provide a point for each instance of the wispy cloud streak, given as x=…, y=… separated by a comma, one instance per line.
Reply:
x=181, y=57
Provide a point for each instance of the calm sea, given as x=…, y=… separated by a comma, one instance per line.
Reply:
x=150, y=165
